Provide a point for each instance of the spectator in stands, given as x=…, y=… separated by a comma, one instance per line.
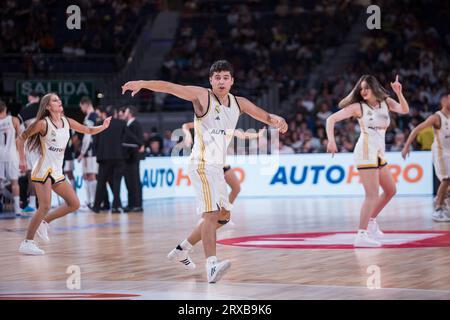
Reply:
x=399, y=142
x=425, y=138
x=168, y=143
x=154, y=135
x=284, y=148
x=155, y=149
x=324, y=113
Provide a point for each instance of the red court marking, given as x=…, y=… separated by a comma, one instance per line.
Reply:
x=441, y=239
x=65, y=296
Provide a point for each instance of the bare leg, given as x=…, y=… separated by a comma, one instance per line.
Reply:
x=15, y=188
x=387, y=183
x=196, y=234
x=65, y=191
x=208, y=232
x=71, y=178
x=369, y=178
x=235, y=185
x=442, y=193
x=44, y=194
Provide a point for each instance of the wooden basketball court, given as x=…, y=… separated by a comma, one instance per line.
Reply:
x=295, y=250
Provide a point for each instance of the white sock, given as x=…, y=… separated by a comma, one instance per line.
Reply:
x=92, y=186
x=212, y=259
x=185, y=245
x=17, y=204
x=88, y=191
x=372, y=220
x=32, y=202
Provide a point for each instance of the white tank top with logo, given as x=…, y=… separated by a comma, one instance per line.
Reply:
x=214, y=131
x=54, y=143
x=441, y=141
x=8, y=149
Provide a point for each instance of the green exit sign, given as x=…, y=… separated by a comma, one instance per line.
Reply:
x=70, y=91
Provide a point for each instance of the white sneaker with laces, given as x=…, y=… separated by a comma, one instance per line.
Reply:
x=363, y=240
x=374, y=230
x=216, y=270
x=42, y=231
x=441, y=215
x=29, y=247
x=182, y=256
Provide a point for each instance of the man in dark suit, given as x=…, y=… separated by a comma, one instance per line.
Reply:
x=110, y=157
x=134, y=151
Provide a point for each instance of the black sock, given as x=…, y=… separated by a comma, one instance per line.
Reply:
x=179, y=247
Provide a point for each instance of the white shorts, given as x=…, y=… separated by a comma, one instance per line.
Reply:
x=9, y=170
x=69, y=165
x=210, y=188
x=45, y=169
x=441, y=162
x=90, y=165
x=31, y=158
x=368, y=156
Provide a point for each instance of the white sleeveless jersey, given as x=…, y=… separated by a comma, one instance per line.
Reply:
x=374, y=122
x=8, y=149
x=214, y=131
x=442, y=135
x=441, y=148
x=370, y=147
x=53, y=146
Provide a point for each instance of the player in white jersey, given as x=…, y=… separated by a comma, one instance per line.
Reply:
x=370, y=103
x=216, y=113
x=89, y=160
x=440, y=121
x=9, y=158
x=49, y=135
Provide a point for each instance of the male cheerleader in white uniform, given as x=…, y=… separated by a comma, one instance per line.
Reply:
x=216, y=113
x=440, y=121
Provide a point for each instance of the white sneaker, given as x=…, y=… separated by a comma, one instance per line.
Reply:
x=42, y=231
x=84, y=208
x=374, y=230
x=363, y=240
x=441, y=215
x=217, y=270
x=29, y=247
x=181, y=256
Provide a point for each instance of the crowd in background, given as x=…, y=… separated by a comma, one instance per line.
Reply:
x=270, y=43
x=266, y=49
x=34, y=27
x=267, y=42
x=415, y=46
